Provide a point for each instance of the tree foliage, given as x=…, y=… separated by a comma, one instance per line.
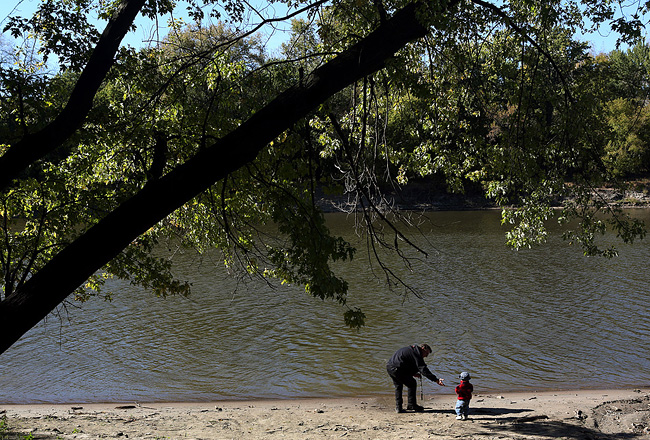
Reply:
x=207, y=139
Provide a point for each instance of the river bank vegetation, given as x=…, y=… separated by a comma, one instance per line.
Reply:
x=205, y=134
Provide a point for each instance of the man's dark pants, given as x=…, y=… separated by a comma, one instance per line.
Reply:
x=400, y=380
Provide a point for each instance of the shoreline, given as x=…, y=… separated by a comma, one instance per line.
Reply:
x=438, y=393
x=433, y=397
x=525, y=415
x=420, y=197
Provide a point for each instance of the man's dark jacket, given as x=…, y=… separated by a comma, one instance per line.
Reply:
x=408, y=361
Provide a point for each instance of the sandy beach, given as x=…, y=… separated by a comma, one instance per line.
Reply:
x=595, y=414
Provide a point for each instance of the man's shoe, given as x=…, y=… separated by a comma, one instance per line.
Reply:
x=399, y=410
x=459, y=417
x=416, y=408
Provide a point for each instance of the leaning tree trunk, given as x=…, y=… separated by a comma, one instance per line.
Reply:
x=96, y=247
x=36, y=145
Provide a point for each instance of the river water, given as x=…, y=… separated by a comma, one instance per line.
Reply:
x=540, y=319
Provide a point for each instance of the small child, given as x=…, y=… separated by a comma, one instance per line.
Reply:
x=464, y=391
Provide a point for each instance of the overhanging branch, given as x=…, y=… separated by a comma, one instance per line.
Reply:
x=37, y=145
x=100, y=244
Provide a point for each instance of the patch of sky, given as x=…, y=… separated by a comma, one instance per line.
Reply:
x=274, y=33
x=260, y=15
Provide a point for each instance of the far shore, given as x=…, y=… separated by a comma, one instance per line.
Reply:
x=424, y=197
x=566, y=414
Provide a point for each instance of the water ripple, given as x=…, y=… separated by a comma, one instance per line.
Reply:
x=543, y=318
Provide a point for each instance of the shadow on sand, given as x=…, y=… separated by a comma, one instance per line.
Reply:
x=542, y=427
x=506, y=422
x=481, y=411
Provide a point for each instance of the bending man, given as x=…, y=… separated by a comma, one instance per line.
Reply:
x=406, y=364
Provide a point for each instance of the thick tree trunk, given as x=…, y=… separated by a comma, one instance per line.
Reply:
x=72, y=266
x=36, y=145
